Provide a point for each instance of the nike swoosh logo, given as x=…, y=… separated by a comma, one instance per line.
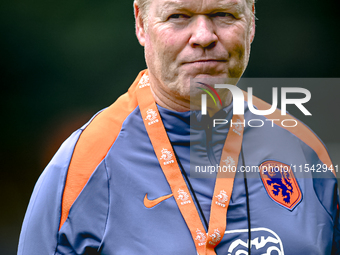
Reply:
x=151, y=203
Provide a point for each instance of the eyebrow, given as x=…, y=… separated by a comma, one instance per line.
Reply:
x=172, y=4
x=230, y=5
x=221, y=5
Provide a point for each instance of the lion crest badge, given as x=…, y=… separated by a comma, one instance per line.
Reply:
x=280, y=183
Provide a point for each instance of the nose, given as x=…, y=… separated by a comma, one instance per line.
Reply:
x=203, y=33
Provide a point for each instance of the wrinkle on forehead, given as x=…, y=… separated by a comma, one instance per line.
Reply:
x=203, y=6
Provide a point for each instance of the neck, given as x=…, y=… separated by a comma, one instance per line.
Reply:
x=171, y=100
x=165, y=100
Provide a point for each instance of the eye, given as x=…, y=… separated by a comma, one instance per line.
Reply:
x=178, y=16
x=223, y=15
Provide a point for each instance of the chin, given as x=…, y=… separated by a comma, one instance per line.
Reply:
x=184, y=90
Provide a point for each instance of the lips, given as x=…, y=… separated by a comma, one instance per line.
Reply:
x=207, y=61
x=205, y=65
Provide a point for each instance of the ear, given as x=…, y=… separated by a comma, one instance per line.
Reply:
x=140, y=31
x=252, y=32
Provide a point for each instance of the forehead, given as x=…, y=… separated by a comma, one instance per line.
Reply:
x=199, y=6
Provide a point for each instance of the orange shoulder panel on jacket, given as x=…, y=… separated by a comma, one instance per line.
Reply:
x=301, y=130
x=93, y=145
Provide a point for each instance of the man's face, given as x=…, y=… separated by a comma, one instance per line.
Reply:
x=195, y=39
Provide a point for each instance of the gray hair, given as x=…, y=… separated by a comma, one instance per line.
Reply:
x=143, y=8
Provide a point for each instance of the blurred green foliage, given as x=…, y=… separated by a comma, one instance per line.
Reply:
x=62, y=61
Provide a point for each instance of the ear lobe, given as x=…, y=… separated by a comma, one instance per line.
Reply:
x=140, y=31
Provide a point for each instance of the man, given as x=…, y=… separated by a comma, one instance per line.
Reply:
x=121, y=184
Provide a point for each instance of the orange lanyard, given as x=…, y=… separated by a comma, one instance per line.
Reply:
x=204, y=242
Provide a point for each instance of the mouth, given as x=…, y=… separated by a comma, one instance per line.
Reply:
x=205, y=65
x=206, y=61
